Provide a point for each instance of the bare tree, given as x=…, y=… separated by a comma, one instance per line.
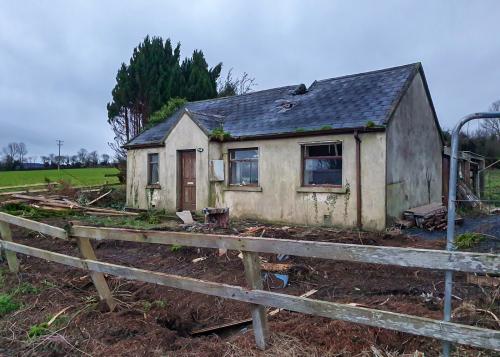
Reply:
x=82, y=156
x=21, y=151
x=492, y=126
x=105, y=159
x=93, y=158
x=235, y=86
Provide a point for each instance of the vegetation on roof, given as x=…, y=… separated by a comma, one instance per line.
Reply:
x=165, y=111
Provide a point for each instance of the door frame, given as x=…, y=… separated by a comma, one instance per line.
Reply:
x=179, y=178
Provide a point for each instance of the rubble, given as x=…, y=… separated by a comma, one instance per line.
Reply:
x=59, y=202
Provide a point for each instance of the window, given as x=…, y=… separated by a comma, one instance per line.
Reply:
x=244, y=167
x=153, y=177
x=322, y=165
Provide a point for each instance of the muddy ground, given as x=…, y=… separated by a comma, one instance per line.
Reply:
x=156, y=321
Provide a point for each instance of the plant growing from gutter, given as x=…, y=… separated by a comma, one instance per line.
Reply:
x=220, y=134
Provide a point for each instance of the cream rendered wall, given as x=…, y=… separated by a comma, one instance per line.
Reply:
x=138, y=195
x=186, y=135
x=280, y=164
x=414, y=153
x=280, y=180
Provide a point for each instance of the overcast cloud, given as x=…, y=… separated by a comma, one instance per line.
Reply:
x=58, y=59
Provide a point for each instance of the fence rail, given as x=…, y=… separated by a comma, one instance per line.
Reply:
x=448, y=331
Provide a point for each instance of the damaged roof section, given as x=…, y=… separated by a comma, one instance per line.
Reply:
x=337, y=103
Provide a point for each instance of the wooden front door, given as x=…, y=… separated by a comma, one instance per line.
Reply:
x=188, y=180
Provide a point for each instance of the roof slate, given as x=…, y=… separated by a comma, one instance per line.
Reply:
x=339, y=103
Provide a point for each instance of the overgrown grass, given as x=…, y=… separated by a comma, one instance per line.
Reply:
x=468, y=240
x=77, y=177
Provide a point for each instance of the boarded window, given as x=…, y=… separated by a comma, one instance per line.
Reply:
x=153, y=177
x=244, y=167
x=322, y=165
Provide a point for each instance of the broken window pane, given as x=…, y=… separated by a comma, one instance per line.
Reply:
x=323, y=165
x=244, y=167
x=153, y=176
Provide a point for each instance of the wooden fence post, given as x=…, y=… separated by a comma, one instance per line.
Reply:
x=100, y=283
x=6, y=235
x=251, y=262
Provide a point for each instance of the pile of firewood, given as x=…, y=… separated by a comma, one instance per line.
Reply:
x=430, y=217
x=61, y=203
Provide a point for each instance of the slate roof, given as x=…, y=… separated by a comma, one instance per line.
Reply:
x=346, y=102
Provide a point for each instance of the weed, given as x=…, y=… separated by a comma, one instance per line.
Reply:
x=468, y=240
x=299, y=130
x=7, y=304
x=160, y=303
x=38, y=330
x=25, y=288
x=176, y=248
x=146, y=306
x=220, y=134
x=2, y=277
x=48, y=284
x=326, y=127
x=369, y=124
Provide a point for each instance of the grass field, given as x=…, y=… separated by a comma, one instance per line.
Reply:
x=77, y=177
x=492, y=186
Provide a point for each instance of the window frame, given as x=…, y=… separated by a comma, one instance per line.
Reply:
x=230, y=163
x=304, y=157
x=150, y=183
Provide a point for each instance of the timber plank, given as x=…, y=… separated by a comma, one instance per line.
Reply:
x=98, y=278
x=407, y=257
x=251, y=261
x=34, y=226
x=448, y=331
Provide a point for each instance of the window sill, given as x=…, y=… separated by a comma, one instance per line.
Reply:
x=321, y=189
x=243, y=188
x=154, y=186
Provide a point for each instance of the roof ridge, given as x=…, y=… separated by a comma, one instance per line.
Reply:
x=206, y=114
x=415, y=64
x=241, y=95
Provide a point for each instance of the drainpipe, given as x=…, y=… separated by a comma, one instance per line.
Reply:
x=359, y=224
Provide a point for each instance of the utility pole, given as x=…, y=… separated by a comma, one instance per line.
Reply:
x=59, y=144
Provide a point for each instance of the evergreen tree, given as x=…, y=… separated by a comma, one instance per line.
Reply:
x=153, y=76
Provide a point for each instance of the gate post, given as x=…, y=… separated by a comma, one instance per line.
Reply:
x=251, y=262
x=452, y=196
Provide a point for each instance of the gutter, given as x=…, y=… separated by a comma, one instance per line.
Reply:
x=361, y=129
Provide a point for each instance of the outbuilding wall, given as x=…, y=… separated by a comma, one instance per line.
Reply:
x=414, y=153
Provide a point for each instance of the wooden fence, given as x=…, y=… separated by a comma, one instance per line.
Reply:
x=254, y=294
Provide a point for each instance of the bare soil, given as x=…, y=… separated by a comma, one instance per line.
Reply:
x=156, y=321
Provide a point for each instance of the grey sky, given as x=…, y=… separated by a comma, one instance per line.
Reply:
x=58, y=59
